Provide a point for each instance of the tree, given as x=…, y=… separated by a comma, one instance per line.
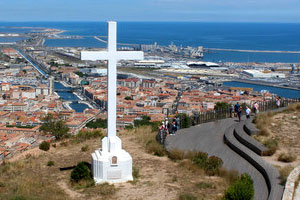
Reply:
x=221, y=105
x=53, y=126
x=99, y=123
x=143, y=122
x=45, y=146
x=185, y=121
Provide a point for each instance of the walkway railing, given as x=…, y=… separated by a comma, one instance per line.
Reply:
x=214, y=115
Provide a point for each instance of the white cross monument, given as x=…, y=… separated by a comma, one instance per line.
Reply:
x=111, y=163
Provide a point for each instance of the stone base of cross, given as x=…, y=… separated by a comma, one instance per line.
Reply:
x=111, y=163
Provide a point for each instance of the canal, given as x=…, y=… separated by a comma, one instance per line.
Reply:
x=69, y=96
x=282, y=92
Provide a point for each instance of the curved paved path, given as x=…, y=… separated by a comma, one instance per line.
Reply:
x=208, y=138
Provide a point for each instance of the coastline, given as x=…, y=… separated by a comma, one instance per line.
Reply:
x=263, y=83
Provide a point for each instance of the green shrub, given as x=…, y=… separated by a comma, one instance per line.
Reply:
x=185, y=120
x=286, y=157
x=241, y=189
x=45, y=146
x=80, y=172
x=54, y=145
x=50, y=163
x=200, y=159
x=99, y=123
x=213, y=165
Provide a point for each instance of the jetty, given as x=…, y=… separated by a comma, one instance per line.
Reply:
x=250, y=51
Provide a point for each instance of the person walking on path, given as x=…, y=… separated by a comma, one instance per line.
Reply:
x=231, y=111
x=255, y=108
x=248, y=111
x=238, y=110
x=173, y=127
x=177, y=122
x=278, y=102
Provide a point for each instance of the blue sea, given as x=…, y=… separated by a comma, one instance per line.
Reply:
x=249, y=36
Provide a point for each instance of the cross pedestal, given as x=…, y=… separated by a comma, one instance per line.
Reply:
x=111, y=163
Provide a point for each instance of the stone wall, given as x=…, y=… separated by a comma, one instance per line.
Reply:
x=290, y=190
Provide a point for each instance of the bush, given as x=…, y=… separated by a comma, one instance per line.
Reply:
x=241, y=189
x=230, y=175
x=50, y=163
x=45, y=146
x=85, y=148
x=272, y=146
x=176, y=154
x=81, y=172
x=155, y=148
x=85, y=135
x=185, y=121
x=54, y=145
x=200, y=159
x=213, y=165
x=99, y=123
x=286, y=157
x=284, y=173
x=54, y=126
x=135, y=172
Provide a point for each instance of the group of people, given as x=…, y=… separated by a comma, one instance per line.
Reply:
x=170, y=129
x=237, y=110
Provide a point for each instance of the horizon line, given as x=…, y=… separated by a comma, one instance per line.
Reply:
x=146, y=21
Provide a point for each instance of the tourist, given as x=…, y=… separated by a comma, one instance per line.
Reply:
x=278, y=102
x=238, y=110
x=174, y=127
x=255, y=108
x=177, y=123
x=248, y=111
x=167, y=125
x=231, y=111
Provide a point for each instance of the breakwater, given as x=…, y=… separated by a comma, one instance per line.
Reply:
x=286, y=92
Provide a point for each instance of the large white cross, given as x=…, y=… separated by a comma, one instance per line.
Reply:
x=112, y=56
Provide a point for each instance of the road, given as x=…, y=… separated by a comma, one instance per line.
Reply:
x=208, y=138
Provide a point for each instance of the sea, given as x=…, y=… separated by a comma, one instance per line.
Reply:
x=246, y=36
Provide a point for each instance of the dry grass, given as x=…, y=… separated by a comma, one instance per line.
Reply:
x=156, y=177
x=26, y=179
x=287, y=157
x=284, y=173
x=147, y=138
x=284, y=127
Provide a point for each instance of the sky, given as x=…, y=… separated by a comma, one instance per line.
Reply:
x=151, y=10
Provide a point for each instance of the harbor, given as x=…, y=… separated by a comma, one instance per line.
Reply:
x=72, y=100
